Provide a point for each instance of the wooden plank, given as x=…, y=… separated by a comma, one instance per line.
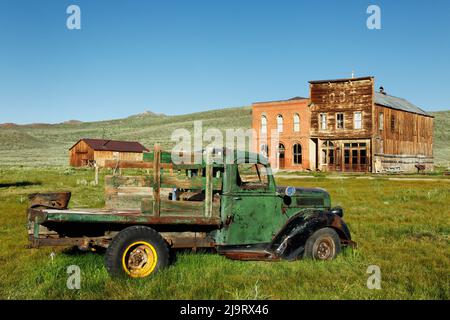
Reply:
x=208, y=185
x=185, y=182
x=129, y=164
x=135, y=190
x=156, y=180
x=129, y=181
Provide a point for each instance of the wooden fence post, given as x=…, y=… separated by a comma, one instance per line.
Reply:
x=208, y=183
x=157, y=180
x=96, y=174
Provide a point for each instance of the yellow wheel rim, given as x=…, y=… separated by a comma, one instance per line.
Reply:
x=139, y=259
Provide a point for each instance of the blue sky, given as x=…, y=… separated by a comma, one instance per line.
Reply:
x=178, y=57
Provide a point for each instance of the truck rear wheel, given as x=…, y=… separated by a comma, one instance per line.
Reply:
x=136, y=251
x=324, y=244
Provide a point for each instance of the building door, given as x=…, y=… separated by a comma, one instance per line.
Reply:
x=355, y=157
x=331, y=156
x=281, y=151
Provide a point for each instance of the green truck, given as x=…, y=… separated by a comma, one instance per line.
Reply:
x=232, y=207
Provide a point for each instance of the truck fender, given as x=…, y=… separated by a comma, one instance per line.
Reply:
x=290, y=241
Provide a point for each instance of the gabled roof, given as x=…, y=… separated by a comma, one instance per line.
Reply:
x=398, y=103
x=113, y=145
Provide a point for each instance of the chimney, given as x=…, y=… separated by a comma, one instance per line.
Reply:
x=382, y=91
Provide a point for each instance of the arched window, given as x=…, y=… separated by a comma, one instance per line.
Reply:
x=296, y=122
x=280, y=123
x=297, y=152
x=264, y=149
x=263, y=124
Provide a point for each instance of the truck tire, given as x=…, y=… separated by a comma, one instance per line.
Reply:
x=324, y=244
x=137, y=252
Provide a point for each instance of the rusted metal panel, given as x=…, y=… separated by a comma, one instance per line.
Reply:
x=83, y=242
x=57, y=200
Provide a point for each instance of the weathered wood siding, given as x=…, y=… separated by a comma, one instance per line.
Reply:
x=412, y=133
x=347, y=97
x=80, y=154
x=401, y=147
x=101, y=156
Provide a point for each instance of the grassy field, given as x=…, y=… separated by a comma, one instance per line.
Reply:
x=401, y=226
x=47, y=145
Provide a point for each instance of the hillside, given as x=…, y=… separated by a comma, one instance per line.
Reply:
x=442, y=137
x=48, y=144
x=45, y=144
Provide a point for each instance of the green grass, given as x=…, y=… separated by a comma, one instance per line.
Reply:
x=401, y=226
x=47, y=145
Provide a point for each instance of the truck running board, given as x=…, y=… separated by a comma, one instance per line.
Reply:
x=248, y=253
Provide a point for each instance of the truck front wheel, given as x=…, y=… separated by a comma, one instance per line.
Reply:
x=324, y=244
x=136, y=251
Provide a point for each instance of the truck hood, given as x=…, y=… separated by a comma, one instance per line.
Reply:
x=306, y=198
x=302, y=191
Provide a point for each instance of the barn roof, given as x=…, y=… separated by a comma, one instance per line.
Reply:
x=113, y=145
x=398, y=103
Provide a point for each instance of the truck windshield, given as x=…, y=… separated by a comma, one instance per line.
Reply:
x=252, y=176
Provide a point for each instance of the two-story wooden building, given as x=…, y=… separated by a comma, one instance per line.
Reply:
x=351, y=128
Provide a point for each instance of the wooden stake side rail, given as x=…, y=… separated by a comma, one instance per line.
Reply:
x=125, y=164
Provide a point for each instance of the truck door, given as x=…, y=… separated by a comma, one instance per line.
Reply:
x=254, y=209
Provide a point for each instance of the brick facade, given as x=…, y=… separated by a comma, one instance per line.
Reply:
x=287, y=109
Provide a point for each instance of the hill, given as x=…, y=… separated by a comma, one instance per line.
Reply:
x=48, y=144
x=442, y=137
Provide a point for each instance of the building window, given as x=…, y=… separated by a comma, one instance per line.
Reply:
x=355, y=154
x=327, y=152
x=357, y=124
x=339, y=121
x=297, y=151
x=296, y=122
x=264, y=149
x=323, y=121
x=281, y=151
x=263, y=125
x=392, y=123
x=381, y=121
x=280, y=123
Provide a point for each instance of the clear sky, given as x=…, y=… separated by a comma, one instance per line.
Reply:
x=178, y=57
